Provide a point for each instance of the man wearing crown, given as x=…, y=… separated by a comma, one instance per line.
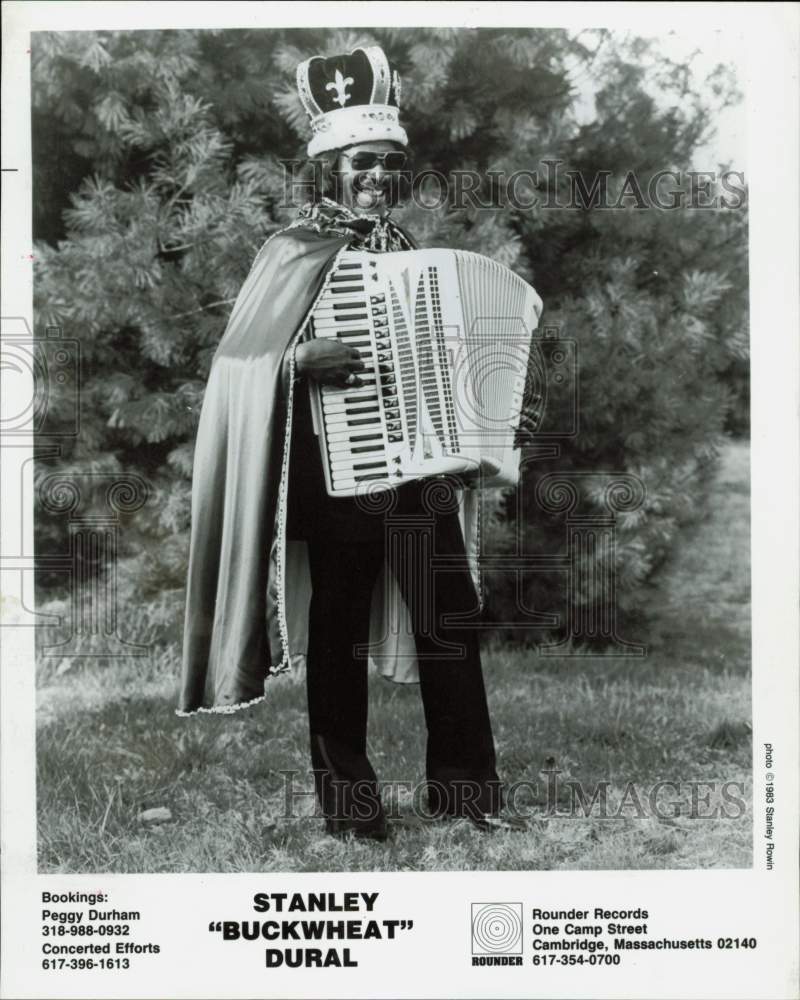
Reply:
x=264, y=528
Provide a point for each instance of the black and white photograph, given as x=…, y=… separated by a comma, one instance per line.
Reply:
x=400, y=452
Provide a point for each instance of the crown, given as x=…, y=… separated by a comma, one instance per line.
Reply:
x=350, y=98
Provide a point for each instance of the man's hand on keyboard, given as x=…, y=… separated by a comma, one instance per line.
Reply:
x=329, y=362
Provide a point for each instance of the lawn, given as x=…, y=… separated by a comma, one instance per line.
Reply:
x=110, y=748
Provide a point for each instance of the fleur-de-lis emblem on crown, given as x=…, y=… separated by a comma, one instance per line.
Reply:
x=340, y=84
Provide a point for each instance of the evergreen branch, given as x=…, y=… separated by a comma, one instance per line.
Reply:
x=181, y=246
x=193, y=312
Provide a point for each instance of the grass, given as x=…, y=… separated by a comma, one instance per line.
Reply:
x=110, y=747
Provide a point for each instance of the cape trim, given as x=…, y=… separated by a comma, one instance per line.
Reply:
x=283, y=488
x=221, y=709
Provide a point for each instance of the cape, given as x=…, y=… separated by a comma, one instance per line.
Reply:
x=247, y=590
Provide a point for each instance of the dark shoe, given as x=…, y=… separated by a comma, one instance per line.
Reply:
x=347, y=790
x=461, y=793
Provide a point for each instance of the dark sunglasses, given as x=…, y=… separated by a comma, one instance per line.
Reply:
x=392, y=161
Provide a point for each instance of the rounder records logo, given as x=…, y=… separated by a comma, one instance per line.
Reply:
x=497, y=933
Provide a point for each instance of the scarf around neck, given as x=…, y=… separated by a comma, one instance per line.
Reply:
x=372, y=232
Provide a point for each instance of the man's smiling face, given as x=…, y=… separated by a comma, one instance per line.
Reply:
x=368, y=191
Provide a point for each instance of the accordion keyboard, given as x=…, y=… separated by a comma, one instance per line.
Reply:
x=445, y=362
x=359, y=423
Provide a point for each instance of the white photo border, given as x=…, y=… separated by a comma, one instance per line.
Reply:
x=424, y=965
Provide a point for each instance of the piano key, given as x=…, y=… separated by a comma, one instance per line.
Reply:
x=368, y=378
x=341, y=302
x=336, y=303
x=357, y=463
x=354, y=396
x=340, y=421
x=346, y=436
x=344, y=460
x=347, y=487
x=359, y=395
x=329, y=315
x=337, y=449
x=363, y=409
x=336, y=399
x=353, y=341
x=367, y=449
x=363, y=421
x=363, y=477
x=363, y=469
x=335, y=406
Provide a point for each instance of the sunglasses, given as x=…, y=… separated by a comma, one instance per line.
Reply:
x=392, y=161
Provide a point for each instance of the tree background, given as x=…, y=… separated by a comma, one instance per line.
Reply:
x=156, y=180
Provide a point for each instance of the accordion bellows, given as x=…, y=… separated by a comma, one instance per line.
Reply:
x=445, y=336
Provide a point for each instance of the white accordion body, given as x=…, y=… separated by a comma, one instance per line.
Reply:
x=445, y=336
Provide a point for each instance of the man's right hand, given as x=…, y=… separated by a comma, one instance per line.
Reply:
x=329, y=362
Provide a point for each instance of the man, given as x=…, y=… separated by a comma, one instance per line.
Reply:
x=258, y=481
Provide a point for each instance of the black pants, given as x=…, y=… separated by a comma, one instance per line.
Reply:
x=346, y=553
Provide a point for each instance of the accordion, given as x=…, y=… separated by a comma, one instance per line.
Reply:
x=445, y=337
